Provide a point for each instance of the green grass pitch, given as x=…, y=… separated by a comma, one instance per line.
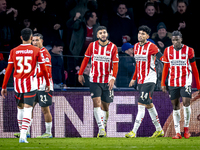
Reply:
x=104, y=143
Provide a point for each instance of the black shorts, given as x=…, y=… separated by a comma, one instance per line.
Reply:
x=26, y=98
x=101, y=90
x=177, y=92
x=44, y=98
x=146, y=92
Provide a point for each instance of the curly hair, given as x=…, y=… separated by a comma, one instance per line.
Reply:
x=145, y=29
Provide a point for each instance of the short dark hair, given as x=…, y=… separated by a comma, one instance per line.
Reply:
x=176, y=33
x=100, y=28
x=145, y=29
x=88, y=14
x=26, y=33
x=38, y=34
x=58, y=43
x=148, y=4
x=181, y=1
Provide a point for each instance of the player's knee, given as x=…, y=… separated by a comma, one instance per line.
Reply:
x=45, y=110
x=96, y=102
x=176, y=107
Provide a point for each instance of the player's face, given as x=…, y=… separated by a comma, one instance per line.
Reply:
x=36, y=41
x=142, y=36
x=177, y=41
x=102, y=35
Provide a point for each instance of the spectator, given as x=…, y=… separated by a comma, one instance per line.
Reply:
x=86, y=75
x=8, y=26
x=3, y=65
x=162, y=38
x=46, y=22
x=121, y=25
x=82, y=35
x=183, y=21
x=150, y=18
x=126, y=65
x=57, y=65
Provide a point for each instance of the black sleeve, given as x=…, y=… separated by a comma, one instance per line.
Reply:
x=192, y=60
x=159, y=55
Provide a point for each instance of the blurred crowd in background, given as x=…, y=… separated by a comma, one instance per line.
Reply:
x=68, y=26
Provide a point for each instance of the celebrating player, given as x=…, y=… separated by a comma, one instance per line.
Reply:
x=104, y=59
x=178, y=60
x=145, y=54
x=24, y=59
x=43, y=98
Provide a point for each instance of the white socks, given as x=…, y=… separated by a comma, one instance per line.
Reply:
x=104, y=117
x=97, y=115
x=26, y=122
x=139, y=118
x=48, y=126
x=28, y=130
x=154, y=117
x=187, y=112
x=176, y=117
x=20, y=113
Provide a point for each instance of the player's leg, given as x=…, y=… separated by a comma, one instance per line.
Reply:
x=174, y=94
x=96, y=91
x=48, y=122
x=186, y=97
x=176, y=117
x=105, y=112
x=138, y=121
x=20, y=111
x=45, y=100
x=29, y=99
x=106, y=98
x=139, y=116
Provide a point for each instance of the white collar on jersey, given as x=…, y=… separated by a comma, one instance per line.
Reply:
x=25, y=44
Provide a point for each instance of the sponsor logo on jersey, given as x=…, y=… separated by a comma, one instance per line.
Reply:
x=140, y=57
x=102, y=58
x=178, y=63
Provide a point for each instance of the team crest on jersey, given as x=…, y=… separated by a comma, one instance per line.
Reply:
x=107, y=52
x=183, y=55
x=47, y=60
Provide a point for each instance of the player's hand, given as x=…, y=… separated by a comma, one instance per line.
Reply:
x=164, y=89
x=81, y=79
x=47, y=89
x=111, y=84
x=4, y=93
x=131, y=83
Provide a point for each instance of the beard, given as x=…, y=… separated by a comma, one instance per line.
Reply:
x=103, y=40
